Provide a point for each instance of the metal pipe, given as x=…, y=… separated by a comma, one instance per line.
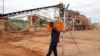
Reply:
x=64, y=35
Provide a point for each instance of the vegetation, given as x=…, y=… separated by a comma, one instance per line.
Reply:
x=41, y=21
x=19, y=23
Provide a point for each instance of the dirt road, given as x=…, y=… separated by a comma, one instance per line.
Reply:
x=37, y=44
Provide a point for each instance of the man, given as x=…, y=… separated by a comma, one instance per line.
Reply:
x=54, y=39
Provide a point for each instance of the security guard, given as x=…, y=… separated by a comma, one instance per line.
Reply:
x=54, y=40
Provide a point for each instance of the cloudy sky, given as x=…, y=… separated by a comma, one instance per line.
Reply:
x=91, y=8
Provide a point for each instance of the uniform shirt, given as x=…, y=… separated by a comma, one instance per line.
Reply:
x=54, y=35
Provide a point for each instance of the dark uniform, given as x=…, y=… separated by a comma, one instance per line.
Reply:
x=62, y=12
x=54, y=39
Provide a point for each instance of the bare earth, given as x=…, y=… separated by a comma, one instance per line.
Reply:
x=37, y=43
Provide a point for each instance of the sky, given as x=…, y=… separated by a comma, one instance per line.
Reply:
x=90, y=8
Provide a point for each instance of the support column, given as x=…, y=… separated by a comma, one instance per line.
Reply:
x=31, y=23
x=2, y=24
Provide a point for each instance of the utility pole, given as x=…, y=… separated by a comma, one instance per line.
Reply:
x=3, y=6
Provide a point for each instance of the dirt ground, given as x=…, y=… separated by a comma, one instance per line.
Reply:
x=37, y=43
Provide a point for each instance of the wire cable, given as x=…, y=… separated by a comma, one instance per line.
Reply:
x=76, y=44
